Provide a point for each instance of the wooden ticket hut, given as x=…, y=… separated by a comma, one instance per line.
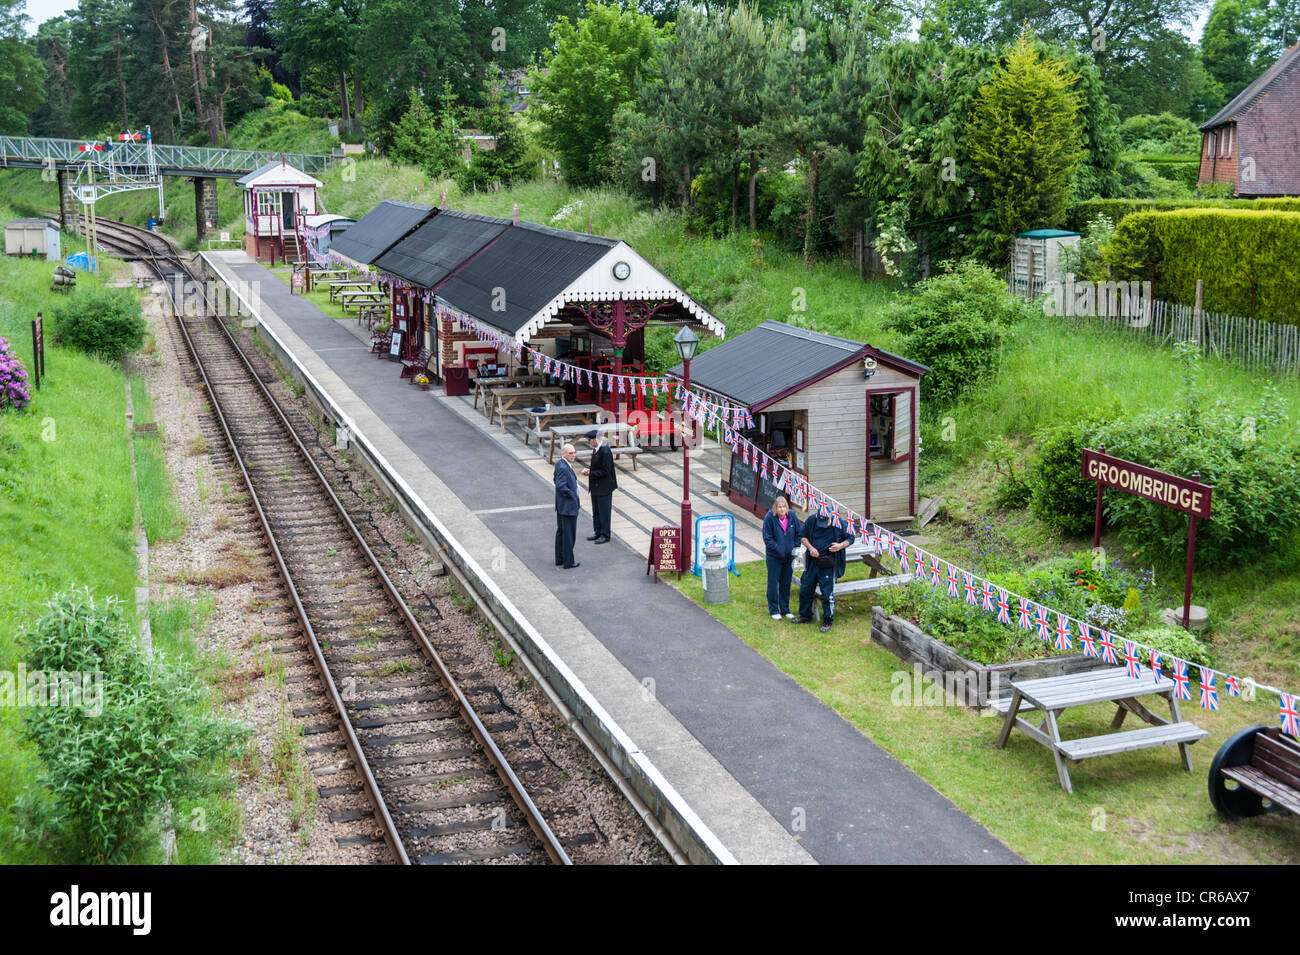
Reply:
x=839, y=412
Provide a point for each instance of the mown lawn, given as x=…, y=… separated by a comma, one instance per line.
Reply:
x=1131, y=808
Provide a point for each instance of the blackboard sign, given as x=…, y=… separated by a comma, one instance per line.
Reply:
x=743, y=479
x=665, y=551
x=767, y=492
x=395, y=349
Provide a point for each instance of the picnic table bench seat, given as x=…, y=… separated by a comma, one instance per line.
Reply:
x=869, y=584
x=1167, y=734
x=1264, y=764
x=631, y=450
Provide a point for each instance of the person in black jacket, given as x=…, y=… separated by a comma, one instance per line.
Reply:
x=781, y=533
x=826, y=564
x=566, y=508
x=603, y=484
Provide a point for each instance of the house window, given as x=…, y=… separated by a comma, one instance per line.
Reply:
x=1229, y=152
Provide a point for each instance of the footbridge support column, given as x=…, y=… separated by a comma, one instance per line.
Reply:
x=205, y=205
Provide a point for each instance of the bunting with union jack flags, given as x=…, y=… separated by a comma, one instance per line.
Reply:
x=1289, y=714
x=969, y=584
x=1040, y=619
x=1155, y=664
x=1004, y=607
x=1063, y=632
x=1108, y=647
x=934, y=571
x=952, y=581
x=1182, y=683
x=1088, y=640
x=986, y=597
x=1233, y=685
x=1026, y=611
x=1131, y=665
x=1209, y=692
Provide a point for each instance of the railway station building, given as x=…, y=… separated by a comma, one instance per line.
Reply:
x=586, y=299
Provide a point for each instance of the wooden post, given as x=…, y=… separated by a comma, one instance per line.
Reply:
x=36, y=356
x=1096, y=524
x=1191, y=554
x=1029, y=271
x=1196, y=314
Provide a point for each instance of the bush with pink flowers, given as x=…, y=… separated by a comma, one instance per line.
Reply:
x=14, y=390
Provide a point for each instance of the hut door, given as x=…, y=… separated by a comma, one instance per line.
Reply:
x=288, y=209
x=891, y=465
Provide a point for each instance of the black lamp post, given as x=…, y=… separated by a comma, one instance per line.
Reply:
x=686, y=341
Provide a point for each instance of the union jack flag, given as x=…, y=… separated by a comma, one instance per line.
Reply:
x=918, y=561
x=1088, y=641
x=969, y=584
x=952, y=581
x=823, y=508
x=1004, y=607
x=934, y=571
x=1182, y=684
x=986, y=596
x=1025, y=606
x=1290, y=715
x=835, y=518
x=902, y=559
x=1234, y=687
x=1108, y=647
x=1040, y=619
x=1063, y=632
x=1155, y=665
x=1209, y=692
x=1131, y=664
x=876, y=540
x=762, y=468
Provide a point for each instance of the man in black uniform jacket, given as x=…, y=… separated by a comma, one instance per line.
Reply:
x=566, y=508
x=603, y=484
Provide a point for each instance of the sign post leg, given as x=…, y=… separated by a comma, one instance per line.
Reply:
x=36, y=357
x=1187, y=586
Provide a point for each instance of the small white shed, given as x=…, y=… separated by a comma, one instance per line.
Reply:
x=33, y=237
x=277, y=200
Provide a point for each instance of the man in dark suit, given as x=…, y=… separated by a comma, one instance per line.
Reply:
x=603, y=484
x=566, y=507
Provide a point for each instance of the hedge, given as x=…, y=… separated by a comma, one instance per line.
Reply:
x=1177, y=170
x=1246, y=258
x=1116, y=209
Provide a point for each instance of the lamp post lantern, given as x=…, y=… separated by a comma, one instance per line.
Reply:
x=686, y=341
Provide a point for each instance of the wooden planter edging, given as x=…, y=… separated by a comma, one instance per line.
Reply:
x=973, y=683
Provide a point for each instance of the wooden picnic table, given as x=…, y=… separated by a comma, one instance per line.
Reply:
x=481, y=385
x=337, y=287
x=1053, y=695
x=539, y=421
x=349, y=299
x=329, y=274
x=616, y=428
x=502, y=400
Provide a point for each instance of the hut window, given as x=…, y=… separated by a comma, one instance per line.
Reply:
x=268, y=203
x=882, y=425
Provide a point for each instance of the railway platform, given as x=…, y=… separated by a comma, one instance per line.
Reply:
x=732, y=755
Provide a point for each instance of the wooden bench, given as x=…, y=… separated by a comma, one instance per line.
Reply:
x=1167, y=734
x=1264, y=763
x=418, y=365
x=869, y=584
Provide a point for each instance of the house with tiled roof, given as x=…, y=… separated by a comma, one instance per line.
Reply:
x=1254, y=141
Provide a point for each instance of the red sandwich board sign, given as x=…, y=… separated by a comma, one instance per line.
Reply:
x=665, y=551
x=1180, y=493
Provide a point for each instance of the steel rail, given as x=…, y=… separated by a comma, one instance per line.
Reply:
x=502, y=766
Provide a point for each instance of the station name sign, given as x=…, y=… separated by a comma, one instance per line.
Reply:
x=1180, y=493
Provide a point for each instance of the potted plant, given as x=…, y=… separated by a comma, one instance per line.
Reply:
x=423, y=381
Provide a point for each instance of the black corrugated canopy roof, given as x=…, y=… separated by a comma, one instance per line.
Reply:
x=387, y=223
x=531, y=263
x=765, y=362
x=432, y=252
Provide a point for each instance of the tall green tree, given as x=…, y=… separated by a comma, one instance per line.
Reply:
x=22, y=74
x=589, y=76
x=506, y=161
x=54, y=45
x=1025, y=139
x=1228, y=45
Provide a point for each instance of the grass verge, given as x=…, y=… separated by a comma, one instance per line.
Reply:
x=1136, y=807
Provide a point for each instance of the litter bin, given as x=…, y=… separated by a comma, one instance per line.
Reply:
x=455, y=380
x=153, y=224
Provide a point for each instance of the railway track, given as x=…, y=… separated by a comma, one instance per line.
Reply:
x=440, y=787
